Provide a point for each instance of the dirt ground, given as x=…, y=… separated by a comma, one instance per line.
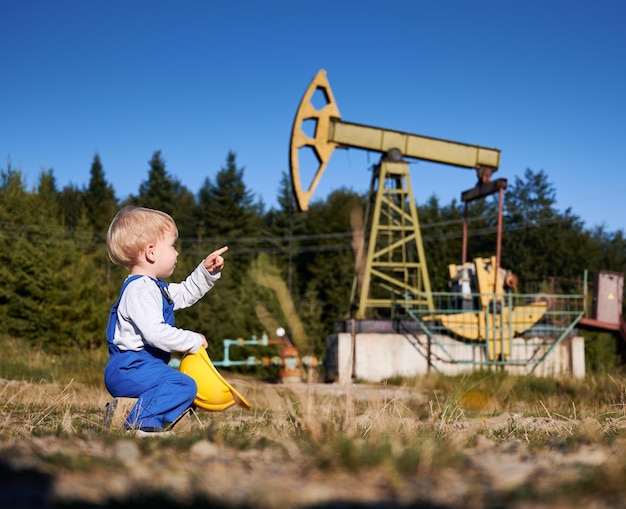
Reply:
x=103, y=470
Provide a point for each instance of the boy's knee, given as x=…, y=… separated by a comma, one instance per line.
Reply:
x=191, y=387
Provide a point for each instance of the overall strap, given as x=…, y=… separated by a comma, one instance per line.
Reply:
x=113, y=315
x=168, y=311
x=168, y=303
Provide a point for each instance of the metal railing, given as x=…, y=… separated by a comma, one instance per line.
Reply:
x=512, y=329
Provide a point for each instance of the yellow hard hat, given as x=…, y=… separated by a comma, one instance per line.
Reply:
x=214, y=392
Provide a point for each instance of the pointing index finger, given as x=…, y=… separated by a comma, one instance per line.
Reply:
x=221, y=250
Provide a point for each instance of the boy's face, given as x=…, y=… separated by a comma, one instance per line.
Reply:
x=165, y=255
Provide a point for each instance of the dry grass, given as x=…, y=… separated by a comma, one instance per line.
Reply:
x=481, y=440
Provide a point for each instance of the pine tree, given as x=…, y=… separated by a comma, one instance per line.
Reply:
x=163, y=192
x=227, y=215
x=157, y=192
x=286, y=226
x=72, y=206
x=539, y=241
x=227, y=208
x=99, y=197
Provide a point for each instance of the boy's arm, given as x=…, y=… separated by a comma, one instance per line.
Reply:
x=199, y=282
x=191, y=290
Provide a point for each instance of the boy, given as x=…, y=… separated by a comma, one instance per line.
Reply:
x=141, y=332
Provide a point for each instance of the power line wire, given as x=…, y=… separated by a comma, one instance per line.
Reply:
x=279, y=245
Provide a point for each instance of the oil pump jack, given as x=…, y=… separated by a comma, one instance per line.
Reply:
x=394, y=268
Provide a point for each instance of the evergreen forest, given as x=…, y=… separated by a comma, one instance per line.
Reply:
x=283, y=268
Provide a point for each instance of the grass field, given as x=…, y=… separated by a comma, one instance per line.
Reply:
x=480, y=440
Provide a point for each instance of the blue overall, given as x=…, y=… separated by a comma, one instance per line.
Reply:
x=163, y=393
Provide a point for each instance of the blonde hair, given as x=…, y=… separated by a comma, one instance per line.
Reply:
x=132, y=229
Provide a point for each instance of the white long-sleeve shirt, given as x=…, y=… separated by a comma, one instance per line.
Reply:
x=140, y=313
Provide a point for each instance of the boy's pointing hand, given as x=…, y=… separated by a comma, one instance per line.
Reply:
x=215, y=262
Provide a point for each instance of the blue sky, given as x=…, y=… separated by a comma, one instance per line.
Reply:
x=543, y=81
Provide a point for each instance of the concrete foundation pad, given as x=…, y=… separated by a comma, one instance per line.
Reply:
x=377, y=356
